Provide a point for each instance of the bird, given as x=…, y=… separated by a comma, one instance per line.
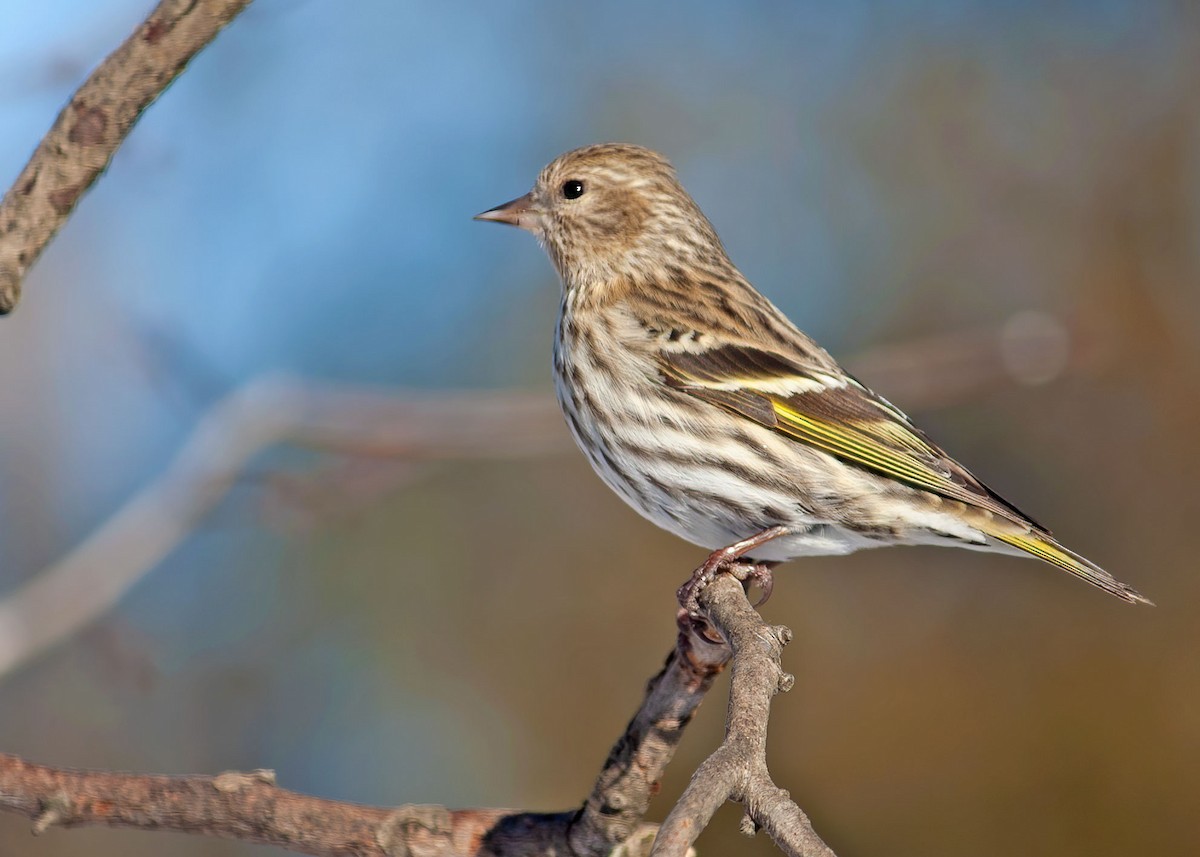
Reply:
x=711, y=414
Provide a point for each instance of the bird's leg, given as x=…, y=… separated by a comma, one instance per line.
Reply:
x=726, y=559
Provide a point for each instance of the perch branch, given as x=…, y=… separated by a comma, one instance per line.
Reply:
x=637, y=761
x=737, y=770
x=251, y=807
x=89, y=130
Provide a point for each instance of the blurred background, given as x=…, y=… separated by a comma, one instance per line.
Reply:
x=914, y=183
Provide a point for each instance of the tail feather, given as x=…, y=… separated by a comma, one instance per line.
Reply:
x=1045, y=548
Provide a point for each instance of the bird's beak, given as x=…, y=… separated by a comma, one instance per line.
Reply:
x=520, y=212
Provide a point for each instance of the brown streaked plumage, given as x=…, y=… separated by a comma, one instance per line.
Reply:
x=705, y=408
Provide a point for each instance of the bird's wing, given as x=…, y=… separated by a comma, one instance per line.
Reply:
x=830, y=411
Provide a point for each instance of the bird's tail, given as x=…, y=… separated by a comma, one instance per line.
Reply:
x=1046, y=548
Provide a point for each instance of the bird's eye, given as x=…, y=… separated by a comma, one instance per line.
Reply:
x=572, y=189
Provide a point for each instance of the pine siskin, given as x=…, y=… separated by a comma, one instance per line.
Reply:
x=705, y=409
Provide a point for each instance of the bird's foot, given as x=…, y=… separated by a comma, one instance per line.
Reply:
x=759, y=573
x=727, y=560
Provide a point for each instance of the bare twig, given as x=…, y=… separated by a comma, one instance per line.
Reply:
x=738, y=769
x=251, y=807
x=93, y=125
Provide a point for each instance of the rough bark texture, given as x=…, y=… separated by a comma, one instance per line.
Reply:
x=738, y=769
x=631, y=774
x=251, y=807
x=93, y=125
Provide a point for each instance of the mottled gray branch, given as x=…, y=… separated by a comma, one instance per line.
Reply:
x=101, y=113
x=737, y=770
x=252, y=808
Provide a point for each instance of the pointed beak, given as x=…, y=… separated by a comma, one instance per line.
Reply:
x=520, y=212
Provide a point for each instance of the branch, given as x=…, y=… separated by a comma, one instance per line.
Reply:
x=251, y=807
x=737, y=770
x=637, y=761
x=89, y=580
x=93, y=125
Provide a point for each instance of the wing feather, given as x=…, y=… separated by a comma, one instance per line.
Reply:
x=836, y=414
x=833, y=413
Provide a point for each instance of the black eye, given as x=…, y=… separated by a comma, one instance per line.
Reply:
x=572, y=189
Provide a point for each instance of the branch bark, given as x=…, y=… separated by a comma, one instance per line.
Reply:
x=737, y=770
x=89, y=130
x=251, y=807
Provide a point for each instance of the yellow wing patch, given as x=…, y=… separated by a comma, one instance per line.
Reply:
x=858, y=446
x=837, y=415
x=1047, y=549
x=852, y=442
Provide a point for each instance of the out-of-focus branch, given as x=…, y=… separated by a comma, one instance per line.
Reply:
x=84, y=584
x=1032, y=347
x=737, y=770
x=101, y=113
x=250, y=807
x=62, y=599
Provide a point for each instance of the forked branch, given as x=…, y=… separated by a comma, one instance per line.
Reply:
x=737, y=770
x=251, y=807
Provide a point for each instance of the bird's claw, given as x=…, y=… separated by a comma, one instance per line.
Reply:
x=759, y=574
x=729, y=560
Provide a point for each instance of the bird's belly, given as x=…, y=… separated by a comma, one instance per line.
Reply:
x=667, y=459
x=808, y=538
x=718, y=514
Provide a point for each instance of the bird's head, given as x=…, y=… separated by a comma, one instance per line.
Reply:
x=609, y=212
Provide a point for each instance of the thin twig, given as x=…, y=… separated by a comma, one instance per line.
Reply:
x=90, y=129
x=737, y=770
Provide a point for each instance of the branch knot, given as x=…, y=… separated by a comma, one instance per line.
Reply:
x=416, y=830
